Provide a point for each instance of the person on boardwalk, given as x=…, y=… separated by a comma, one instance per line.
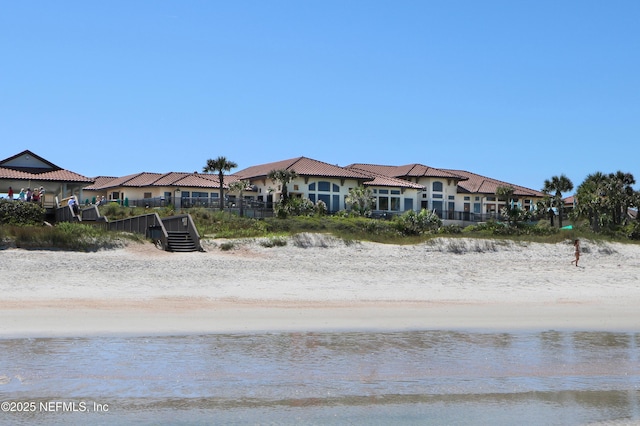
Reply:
x=10, y=193
x=576, y=244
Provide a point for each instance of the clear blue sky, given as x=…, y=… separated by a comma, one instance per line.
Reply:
x=516, y=90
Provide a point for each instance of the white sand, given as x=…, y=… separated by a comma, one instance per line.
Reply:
x=491, y=285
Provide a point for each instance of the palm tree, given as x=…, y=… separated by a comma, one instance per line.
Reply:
x=591, y=199
x=506, y=193
x=620, y=195
x=360, y=199
x=559, y=184
x=283, y=176
x=239, y=186
x=220, y=165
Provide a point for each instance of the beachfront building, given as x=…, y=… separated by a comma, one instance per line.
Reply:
x=456, y=196
x=439, y=187
x=320, y=181
x=476, y=198
x=182, y=190
x=28, y=170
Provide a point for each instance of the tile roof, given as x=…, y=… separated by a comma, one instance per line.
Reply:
x=196, y=180
x=382, y=180
x=100, y=181
x=303, y=166
x=408, y=170
x=54, y=175
x=477, y=184
x=50, y=172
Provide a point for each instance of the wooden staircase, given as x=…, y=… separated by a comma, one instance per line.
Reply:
x=181, y=241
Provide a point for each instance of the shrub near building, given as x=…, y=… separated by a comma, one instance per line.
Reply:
x=20, y=213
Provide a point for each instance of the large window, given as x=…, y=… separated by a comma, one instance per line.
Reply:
x=388, y=200
x=436, y=186
x=326, y=191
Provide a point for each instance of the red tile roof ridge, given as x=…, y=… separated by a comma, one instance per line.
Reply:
x=492, y=181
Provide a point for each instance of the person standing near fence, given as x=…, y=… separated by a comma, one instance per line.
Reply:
x=10, y=193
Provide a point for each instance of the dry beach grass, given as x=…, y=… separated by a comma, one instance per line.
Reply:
x=318, y=282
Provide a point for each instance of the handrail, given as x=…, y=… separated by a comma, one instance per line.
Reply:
x=149, y=225
x=182, y=223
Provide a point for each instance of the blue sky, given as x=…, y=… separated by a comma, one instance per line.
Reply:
x=517, y=90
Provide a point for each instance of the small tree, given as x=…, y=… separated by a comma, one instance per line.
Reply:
x=219, y=165
x=239, y=186
x=360, y=199
x=506, y=193
x=559, y=184
x=283, y=176
x=412, y=223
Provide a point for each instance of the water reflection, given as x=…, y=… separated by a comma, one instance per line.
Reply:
x=590, y=372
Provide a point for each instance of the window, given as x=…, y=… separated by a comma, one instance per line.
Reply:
x=437, y=186
x=395, y=191
x=467, y=198
x=215, y=195
x=316, y=190
x=395, y=203
x=384, y=191
x=408, y=204
x=452, y=197
x=383, y=203
x=437, y=195
x=147, y=195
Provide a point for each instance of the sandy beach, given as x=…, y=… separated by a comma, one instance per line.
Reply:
x=319, y=282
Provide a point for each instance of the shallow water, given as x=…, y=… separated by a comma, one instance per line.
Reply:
x=412, y=377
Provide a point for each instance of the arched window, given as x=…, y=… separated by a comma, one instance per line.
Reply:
x=437, y=186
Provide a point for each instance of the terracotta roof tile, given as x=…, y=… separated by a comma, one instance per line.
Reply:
x=54, y=175
x=477, y=184
x=379, y=179
x=408, y=170
x=196, y=180
x=13, y=174
x=303, y=166
x=99, y=182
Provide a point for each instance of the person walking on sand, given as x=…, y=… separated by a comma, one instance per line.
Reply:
x=576, y=244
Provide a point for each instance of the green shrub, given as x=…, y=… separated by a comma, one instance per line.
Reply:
x=64, y=236
x=228, y=245
x=450, y=229
x=20, y=213
x=633, y=230
x=412, y=223
x=274, y=242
